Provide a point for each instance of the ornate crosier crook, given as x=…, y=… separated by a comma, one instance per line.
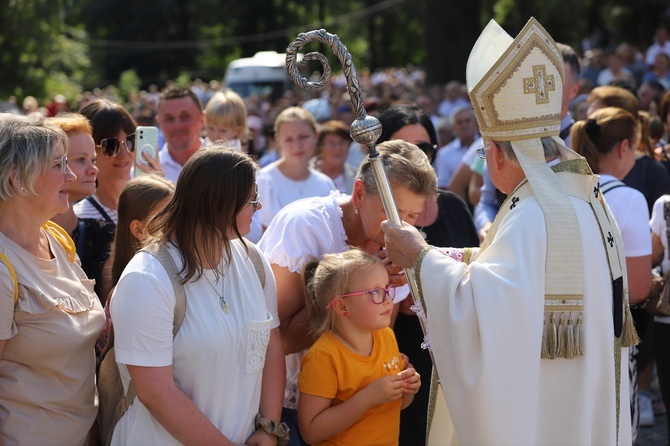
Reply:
x=364, y=130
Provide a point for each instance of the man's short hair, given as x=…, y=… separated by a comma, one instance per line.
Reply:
x=176, y=92
x=570, y=58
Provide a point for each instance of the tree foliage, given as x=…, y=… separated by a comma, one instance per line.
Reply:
x=67, y=45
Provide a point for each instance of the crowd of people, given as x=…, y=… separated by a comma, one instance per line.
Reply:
x=548, y=202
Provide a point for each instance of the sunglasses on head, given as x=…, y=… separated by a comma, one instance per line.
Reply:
x=110, y=146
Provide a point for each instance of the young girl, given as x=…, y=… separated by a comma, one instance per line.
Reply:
x=290, y=178
x=353, y=381
x=226, y=119
x=139, y=201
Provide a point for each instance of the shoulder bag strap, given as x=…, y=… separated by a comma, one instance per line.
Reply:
x=255, y=257
x=99, y=208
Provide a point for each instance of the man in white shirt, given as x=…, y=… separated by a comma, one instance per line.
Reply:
x=661, y=45
x=181, y=118
x=449, y=157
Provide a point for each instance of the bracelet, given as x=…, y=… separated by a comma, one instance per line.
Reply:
x=272, y=427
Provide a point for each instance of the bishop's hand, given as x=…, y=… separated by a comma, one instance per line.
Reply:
x=403, y=243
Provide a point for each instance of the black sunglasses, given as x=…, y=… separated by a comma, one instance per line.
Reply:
x=426, y=147
x=110, y=146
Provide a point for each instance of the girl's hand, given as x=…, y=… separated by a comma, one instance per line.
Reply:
x=411, y=380
x=261, y=438
x=385, y=389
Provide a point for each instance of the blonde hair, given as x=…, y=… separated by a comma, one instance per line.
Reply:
x=292, y=114
x=328, y=278
x=226, y=109
x=405, y=164
x=27, y=146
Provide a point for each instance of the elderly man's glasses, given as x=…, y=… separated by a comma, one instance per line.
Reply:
x=481, y=152
x=110, y=146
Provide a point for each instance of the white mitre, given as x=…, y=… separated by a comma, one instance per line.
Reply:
x=515, y=86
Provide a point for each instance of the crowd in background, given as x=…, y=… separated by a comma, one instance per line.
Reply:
x=301, y=142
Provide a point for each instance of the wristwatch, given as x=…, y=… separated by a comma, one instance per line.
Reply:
x=272, y=427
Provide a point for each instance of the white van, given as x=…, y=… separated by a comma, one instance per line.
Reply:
x=265, y=73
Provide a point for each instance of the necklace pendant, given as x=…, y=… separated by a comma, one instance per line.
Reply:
x=224, y=306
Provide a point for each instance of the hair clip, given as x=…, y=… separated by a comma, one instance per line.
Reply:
x=592, y=128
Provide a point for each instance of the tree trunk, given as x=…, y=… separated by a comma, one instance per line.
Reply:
x=452, y=27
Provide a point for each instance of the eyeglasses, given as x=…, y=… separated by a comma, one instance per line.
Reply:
x=110, y=146
x=61, y=164
x=255, y=201
x=426, y=147
x=481, y=152
x=378, y=295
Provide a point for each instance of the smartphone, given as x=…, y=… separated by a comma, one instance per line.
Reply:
x=146, y=141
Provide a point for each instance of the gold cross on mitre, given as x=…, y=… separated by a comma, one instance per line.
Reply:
x=539, y=84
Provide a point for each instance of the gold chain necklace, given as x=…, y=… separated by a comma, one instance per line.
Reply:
x=222, y=300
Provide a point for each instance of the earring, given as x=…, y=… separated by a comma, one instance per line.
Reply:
x=356, y=211
x=345, y=313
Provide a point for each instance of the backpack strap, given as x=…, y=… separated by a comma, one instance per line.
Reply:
x=59, y=234
x=12, y=274
x=666, y=214
x=255, y=257
x=161, y=253
x=99, y=208
x=81, y=226
x=614, y=184
x=63, y=238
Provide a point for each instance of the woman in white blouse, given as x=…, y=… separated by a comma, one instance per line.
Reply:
x=225, y=365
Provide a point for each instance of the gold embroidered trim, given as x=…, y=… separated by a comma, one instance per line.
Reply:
x=467, y=255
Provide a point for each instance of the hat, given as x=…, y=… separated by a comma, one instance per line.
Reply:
x=516, y=86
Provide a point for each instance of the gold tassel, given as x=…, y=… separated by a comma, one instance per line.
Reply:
x=579, y=346
x=561, y=337
x=545, y=348
x=569, y=340
x=629, y=335
x=553, y=341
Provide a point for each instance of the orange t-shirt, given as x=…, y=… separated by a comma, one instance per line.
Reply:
x=331, y=370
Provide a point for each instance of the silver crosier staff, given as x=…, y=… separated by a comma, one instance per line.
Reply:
x=364, y=130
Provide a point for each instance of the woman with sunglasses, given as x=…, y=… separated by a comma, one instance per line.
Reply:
x=50, y=317
x=444, y=221
x=353, y=381
x=114, y=136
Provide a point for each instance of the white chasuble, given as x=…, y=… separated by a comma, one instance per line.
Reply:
x=485, y=323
